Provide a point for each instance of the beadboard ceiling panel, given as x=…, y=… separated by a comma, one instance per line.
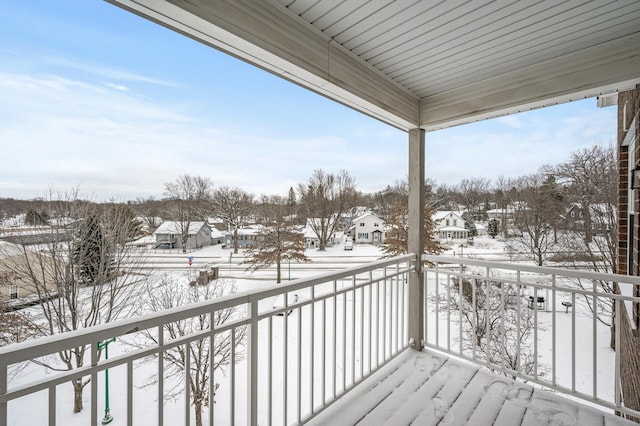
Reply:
x=429, y=64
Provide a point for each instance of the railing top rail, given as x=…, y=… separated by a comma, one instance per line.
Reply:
x=547, y=270
x=40, y=347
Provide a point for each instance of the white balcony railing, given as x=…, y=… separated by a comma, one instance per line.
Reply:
x=299, y=357
x=548, y=326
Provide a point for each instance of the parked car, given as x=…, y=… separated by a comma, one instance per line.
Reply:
x=279, y=303
x=348, y=245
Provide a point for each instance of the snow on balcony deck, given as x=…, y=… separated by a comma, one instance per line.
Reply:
x=426, y=388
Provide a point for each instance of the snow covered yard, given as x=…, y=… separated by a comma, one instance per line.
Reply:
x=295, y=355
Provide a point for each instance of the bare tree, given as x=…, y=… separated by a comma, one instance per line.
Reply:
x=590, y=177
x=81, y=279
x=172, y=292
x=495, y=322
x=474, y=191
x=279, y=238
x=326, y=197
x=234, y=206
x=189, y=197
x=533, y=220
x=591, y=181
x=503, y=191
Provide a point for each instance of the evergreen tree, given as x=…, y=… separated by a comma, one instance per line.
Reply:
x=35, y=217
x=397, y=235
x=292, y=201
x=469, y=224
x=493, y=228
x=92, y=252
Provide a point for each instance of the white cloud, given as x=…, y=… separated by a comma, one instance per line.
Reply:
x=117, y=87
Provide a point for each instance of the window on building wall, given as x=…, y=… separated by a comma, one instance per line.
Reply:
x=13, y=292
x=447, y=222
x=573, y=214
x=361, y=223
x=455, y=222
x=375, y=224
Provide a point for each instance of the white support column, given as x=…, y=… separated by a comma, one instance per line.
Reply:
x=416, y=236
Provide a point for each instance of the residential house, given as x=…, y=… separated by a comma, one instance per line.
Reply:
x=601, y=216
x=450, y=226
x=312, y=240
x=368, y=229
x=247, y=236
x=16, y=288
x=168, y=235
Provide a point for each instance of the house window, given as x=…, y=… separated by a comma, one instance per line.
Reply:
x=375, y=224
x=455, y=222
x=13, y=292
x=447, y=222
x=573, y=214
x=361, y=223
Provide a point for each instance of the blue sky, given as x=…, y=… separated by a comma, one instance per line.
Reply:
x=95, y=97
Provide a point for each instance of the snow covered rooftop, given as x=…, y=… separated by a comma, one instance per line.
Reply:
x=170, y=227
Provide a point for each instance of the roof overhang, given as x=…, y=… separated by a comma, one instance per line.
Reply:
x=438, y=66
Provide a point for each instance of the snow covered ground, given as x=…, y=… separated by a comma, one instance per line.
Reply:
x=22, y=412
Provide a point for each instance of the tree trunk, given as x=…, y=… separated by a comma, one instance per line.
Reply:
x=612, y=338
x=77, y=395
x=278, y=269
x=197, y=408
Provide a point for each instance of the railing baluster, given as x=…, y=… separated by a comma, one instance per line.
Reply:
x=269, y=371
x=437, y=316
x=618, y=398
x=370, y=322
x=361, y=332
x=130, y=392
x=299, y=364
x=252, y=366
x=324, y=350
x=232, y=405
x=449, y=314
x=212, y=381
x=94, y=384
x=52, y=406
x=535, y=332
x=595, y=341
x=334, y=356
x=3, y=390
x=474, y=317
x=573, y=343
x=160, y=375
x=312, y=330
x=187, y=387
x=460, y=308
x=553, y=330
x=285, y=355
x=353, y=331
x=344, y=341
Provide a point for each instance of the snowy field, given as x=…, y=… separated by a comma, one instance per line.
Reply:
x=22, y=412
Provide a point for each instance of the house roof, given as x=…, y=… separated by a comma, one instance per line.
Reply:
x=366, y=215
x=439, y=215
x=424, y=64
x=172, y=227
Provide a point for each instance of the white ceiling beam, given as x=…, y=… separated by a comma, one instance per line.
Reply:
x=265, y=35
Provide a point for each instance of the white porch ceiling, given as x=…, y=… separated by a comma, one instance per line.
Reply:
x=428, y=64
